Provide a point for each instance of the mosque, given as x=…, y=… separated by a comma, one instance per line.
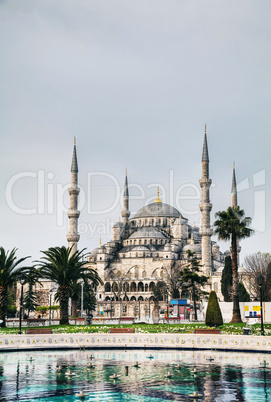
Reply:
x=148, y=248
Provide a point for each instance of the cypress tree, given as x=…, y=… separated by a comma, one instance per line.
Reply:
x=226, y=280
x=213, y=314
x=243, y=294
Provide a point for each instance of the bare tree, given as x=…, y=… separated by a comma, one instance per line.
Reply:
x=172, y=277
x=259, y=264
x=119, y=288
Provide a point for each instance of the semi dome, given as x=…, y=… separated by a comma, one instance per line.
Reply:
x=157, y=210
x=140, y=248
x=147, y=232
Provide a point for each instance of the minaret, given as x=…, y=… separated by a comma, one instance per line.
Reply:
x=125, y=213
x=234, y=204
x=73, y=213
x=205, y=208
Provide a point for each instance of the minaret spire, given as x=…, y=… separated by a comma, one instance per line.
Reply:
x=205, y=208
x=234, y=202
x=125, y=213
x=73, y=213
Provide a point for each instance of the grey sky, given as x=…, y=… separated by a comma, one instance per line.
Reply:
x=135, y=82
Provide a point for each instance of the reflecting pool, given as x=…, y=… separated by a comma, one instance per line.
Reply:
x=134, y=375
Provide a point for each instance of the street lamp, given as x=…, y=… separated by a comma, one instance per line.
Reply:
x=82, y=299
x=167, y=301
x=260, y=280
x=22, y=282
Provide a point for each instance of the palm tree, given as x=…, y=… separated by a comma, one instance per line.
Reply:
x=30, y=296
x=233, y=225
x=64, y=267
x=10, y=273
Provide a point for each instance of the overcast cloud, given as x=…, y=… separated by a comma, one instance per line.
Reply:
x=135, y=82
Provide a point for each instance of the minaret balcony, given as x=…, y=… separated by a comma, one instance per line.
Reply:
x=204, y=182
x=74, y=190
x=206, y=232
x=205, y=206
x=73, y=213
x=73, y=238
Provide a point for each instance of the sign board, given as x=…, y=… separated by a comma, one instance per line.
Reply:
x=179, y=302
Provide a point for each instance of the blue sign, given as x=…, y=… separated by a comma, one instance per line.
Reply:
x=179, y=302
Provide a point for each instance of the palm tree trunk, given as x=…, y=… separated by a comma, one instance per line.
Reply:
x=3, y=305
x=74, y=307
x=236, y=315
x=64, y=304
x=195, y=304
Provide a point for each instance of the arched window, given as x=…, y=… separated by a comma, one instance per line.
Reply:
x=115, y=287
x=107, y=287
x=146, y=287
x=107, y=298
x=133, y=298
x=133, y=287
x=126, y=298
x=140, y=298
x=126, y=287
x=140, y=287
x=151, y=286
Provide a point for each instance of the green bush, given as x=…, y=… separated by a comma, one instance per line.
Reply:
x=213, y=314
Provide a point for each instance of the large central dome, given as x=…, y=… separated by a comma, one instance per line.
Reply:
x=157, y=210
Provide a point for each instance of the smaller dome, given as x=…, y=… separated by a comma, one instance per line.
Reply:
x=94, y=252
x=118, y=225
x=195, y=248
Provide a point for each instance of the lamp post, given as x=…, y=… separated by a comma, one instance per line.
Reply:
x=167, y=301
x=260, y=280
x=22, y=282
x=82, y=299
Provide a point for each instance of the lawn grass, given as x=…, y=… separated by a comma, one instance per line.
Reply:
x=231, y=329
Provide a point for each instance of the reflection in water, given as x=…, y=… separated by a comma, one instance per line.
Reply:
x=132, y=376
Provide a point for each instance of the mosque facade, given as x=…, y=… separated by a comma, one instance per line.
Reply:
x=148, y=248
